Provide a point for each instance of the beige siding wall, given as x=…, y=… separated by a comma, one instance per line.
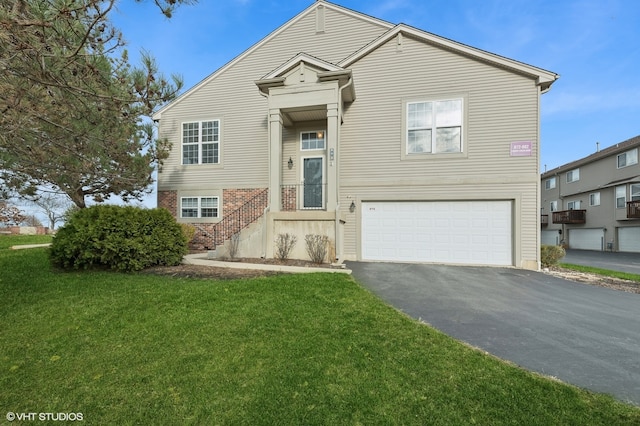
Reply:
x=501, y=107
x=233, y=97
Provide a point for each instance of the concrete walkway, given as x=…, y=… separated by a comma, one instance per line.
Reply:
x=29, y=246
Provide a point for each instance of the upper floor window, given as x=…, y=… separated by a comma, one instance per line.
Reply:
x=635, y=192
x=550, y=183
x=573, y=175
x=553, y=206
x=313, y=140
x=201, y=142
x=198, y=207
x=621, y=196
x=573, y=205
x=594, y=199
x=628, y=158
x=434, y=127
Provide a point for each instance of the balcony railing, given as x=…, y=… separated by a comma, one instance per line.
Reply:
x=633, y=209
x=303, y=197
x=544, y=219
x=570, y=216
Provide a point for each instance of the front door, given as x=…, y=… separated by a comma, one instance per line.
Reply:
x=312, y=178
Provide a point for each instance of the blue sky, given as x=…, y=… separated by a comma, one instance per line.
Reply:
x=594, y=45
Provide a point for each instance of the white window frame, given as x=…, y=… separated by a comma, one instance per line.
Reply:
x=628, y=158
x=200, y=206
x=319, y=135
x=553, y=206
x=621, y=197
x=432, y=124
x=594, y=199
x=573, y=175
x=200, y=143
x=573, y=205
x=550, y=183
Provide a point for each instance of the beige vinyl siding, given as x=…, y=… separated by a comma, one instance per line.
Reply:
x=501, y=107
x=232, y=96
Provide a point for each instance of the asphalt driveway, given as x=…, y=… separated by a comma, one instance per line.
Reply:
x=584, y=335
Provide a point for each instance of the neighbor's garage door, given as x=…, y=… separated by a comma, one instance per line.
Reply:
x=586, y=239
x=550, y=238
x=461, y=232
x=629, y=239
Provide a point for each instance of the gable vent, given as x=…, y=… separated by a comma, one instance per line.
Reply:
x=320, y=19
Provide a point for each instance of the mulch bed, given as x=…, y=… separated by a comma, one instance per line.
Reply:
x=221, y=273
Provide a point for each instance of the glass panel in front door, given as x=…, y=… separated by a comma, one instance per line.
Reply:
x=312, y=175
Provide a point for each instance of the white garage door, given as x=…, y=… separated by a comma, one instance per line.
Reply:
x=460, y=232
x=629, y=239
x=586, y=239
x=550, y=238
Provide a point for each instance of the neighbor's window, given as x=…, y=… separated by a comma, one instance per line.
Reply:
x=635, y=192
x=553, y=206
x=594, y=199
x=201, y=142
x=434, y=127
x=573, y=175
x=199, y=207
x=628, y=158
x=313, y=140
x=621, y=196
x=573, y=205
x=550, y=183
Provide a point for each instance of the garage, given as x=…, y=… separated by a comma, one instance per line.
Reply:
x=550, y=238
x=586, y=239
x=454, y=232
x=629, y=239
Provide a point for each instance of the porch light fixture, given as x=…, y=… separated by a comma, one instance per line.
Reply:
x=290, y=163
x=352, y=207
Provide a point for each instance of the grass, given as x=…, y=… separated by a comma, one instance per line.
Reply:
x=600, y=271
x=289, y=349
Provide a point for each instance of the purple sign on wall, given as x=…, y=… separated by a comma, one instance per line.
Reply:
x=521, y=149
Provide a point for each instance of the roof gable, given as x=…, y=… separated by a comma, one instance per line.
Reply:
x=598, y=155
x=544, y=78
x=294, y=62
x=313, y=8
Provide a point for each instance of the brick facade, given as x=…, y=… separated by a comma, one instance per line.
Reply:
x=240, y=208
x=169, y=200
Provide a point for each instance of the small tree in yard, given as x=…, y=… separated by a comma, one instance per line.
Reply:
x=10, y=215
x=316, y=246
x=53, y=205
x=284, y=245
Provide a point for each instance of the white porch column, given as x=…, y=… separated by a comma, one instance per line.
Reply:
x=275, y=159
x=332, y=156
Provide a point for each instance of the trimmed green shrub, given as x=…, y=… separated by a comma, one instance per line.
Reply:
x=550, y=255
x=123, y=238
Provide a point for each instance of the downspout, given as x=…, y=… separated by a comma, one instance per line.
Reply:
x=338, y=236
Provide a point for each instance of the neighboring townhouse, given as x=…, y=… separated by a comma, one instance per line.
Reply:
x=594, y=203
x=395, y=143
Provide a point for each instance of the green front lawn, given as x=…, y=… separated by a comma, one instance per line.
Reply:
x=599, y=271
x=290, y=349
